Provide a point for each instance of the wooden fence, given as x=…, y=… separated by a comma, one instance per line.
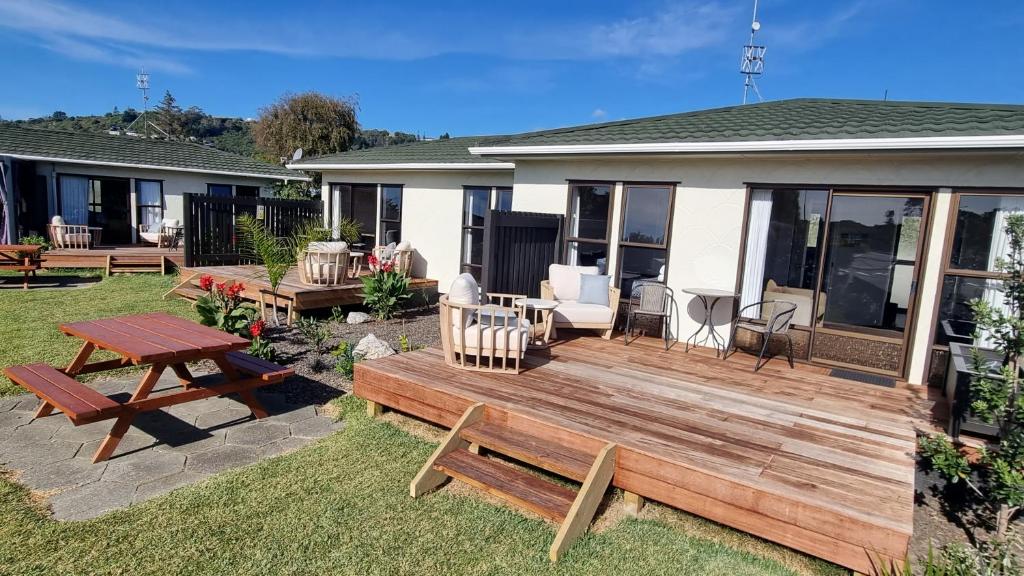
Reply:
x=210, y=231
x=518, y=248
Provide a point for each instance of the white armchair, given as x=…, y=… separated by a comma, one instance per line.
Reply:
x=74, y=236
x=324, y=263
x=158, y=233
x=563, y=286
x=489, y=337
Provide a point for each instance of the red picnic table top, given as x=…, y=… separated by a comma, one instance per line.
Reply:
x=32, y=248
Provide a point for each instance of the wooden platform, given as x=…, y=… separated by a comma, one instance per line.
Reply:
x=129, y=258
x=303, y=296
x=819, y=464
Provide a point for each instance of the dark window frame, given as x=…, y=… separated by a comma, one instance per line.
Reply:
x=492, y=200
x=381, y=220
x=622, y=244
x=569, y=239
x=210, y=185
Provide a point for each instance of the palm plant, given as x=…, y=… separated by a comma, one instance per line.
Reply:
x=276, y=255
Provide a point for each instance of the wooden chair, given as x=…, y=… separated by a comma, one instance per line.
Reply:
x=324, y=268
x=400, y=258
x=71, y=236
x=490, y=337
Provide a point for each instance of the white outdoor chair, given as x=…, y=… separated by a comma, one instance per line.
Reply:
x=324, y=263
x=158, y=232
x=489, y=337
x=563, y=286
x=71, y=236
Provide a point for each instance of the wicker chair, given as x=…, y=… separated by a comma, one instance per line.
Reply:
x=491, y=337
x=324, y=264
x=649, y=298
x=779, y=315
x=73, y=236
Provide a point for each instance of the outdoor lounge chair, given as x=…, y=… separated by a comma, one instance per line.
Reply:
x=399, y=254
x=324, y=263
x=159, y=233
x=75, y=236
x=489, y=337
x=779, y=315
x=563, y=286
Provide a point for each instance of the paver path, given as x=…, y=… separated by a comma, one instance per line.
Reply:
x=163, y=450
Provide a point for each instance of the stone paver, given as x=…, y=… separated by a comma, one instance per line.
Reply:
x=164, y=450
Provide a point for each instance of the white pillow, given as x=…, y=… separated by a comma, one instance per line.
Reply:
x=154, y=228
x=464, y=290
x=403, y=246
x=331, y=247
x=565, y=280
x=58, y=220
x=172, y=222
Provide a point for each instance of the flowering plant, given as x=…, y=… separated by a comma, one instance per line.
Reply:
x=222, y=306
x=384, y=290
x=260, y=347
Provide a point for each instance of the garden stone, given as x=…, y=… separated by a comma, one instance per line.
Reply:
x=371, y=348
x=64, y=474
x=357, y=318
x=154, y=465
x=221, y=458
x=91, y=500
x=16, y=454
x=316, y=427
x=257, y=434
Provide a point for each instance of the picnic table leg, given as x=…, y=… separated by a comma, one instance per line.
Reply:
x=148, y=382
x=124, y=421
x=183, y=374
x=246, y=395
x=45, y=408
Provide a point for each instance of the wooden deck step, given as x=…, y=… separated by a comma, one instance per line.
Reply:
x=545, y=454
x=523, y=489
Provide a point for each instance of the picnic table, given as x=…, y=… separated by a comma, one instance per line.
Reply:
x=159, y=341
x=21, y=258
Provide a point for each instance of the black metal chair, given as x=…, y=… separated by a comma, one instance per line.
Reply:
x=651, y=298
x=780, y=316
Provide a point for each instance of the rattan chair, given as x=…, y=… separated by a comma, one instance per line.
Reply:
x=401, y=259
x=324, y=264
x=779, y=317
x=489, y=337
x=650, y=298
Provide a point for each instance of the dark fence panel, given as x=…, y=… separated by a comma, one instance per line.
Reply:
x=518, y=248
x=210, y=233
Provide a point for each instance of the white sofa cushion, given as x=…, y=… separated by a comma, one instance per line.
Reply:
x=565, y=280
x=464, y=290
x=576, y=313
x=517, y=332
x=330, y=247
x=403, y=246
x=58, y=220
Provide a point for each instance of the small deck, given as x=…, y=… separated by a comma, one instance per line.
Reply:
x=149, y=257
x=302, y=296
x=819, y=464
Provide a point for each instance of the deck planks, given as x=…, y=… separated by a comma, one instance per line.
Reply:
x=820, y=464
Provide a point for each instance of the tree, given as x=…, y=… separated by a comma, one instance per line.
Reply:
x=317, y=123
x=995, y=398
x=58, y=116
x=169, y=115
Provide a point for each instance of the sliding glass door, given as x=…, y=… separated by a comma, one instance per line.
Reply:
x=357, y=202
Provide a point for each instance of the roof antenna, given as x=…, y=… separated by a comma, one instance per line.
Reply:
x=885, y=97
x=752, y=62
x=142, y=83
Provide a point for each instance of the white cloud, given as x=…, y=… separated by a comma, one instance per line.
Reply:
x=599, y=113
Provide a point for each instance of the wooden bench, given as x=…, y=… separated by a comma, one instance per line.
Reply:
x=22, y=258
x=80, y=403
x=258, y=368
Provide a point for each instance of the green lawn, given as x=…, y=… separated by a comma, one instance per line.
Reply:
x=29, y=318
x=340, y=506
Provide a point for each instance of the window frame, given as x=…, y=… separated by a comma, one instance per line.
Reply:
x=569, y=239
x=492, y=199
x=381, y=220
x=139, y=205
x=210, y=185
x=666, y=245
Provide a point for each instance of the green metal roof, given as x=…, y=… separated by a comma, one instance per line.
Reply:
x=799, y=119
x=441, y=151
x=131, y=151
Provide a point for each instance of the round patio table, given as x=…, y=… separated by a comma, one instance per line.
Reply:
x=542, y=310
x=709, y=297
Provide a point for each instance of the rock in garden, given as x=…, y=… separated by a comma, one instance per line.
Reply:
x=357, y=317
x=371, y=347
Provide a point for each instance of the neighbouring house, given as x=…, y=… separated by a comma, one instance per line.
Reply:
x=881, y=220
x=120, y=184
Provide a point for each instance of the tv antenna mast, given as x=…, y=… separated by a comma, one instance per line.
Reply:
x=752, y=62
x=142, y=83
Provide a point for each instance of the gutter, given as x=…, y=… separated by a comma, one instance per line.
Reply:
x=408, y=166
x=300, y=177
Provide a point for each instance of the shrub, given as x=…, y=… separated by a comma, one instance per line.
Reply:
x=346, y=359
x=222, y=307
x=384, y=290
x=315, y=333
x=338, y=314
x=260, y=347
x=35, y=240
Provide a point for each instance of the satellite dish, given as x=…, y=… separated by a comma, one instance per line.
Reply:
x=297, y=155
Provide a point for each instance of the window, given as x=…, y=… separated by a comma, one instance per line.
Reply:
x=149, y=198
x=356, y=202
x=586, y=243
x=979, y=241
x=391, y=213
x=785, y=235
x=477, y=201
x=247, y=191
x=219, y=190
x=643, y=245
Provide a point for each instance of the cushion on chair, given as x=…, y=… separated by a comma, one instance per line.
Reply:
x=594, y=289
x=78, y=239
x=565, y=280
x=155, y=228
x=464, y=290
x=58, y=220
x=330, y=247
x=403, y=246
x=518, y=333
x=579, y=313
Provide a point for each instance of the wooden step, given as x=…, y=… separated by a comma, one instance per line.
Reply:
x=190, y=292
x=523, y=489
x=544, y=454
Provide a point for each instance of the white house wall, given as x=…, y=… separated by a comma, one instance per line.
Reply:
x=431, y=212
x=707, y=222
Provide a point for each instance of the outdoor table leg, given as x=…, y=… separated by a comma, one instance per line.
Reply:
x=184, y=375
x=716, y=341
x=246, y=395
x=124, y=421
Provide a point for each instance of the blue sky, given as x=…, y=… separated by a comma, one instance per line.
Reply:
x=500, y=67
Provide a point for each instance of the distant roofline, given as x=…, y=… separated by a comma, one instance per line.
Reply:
x=812, y=145
x=454, y=166
x=303, y=178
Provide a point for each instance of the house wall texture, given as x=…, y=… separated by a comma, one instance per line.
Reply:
x=431, y=212
x=707, y=222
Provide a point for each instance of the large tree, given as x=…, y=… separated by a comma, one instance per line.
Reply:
x=317, y=123
x=168, y=114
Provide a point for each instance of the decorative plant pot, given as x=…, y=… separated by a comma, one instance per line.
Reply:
x=958, y=389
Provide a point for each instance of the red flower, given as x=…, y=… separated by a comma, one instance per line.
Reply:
x=206, y=282
x=235, y=290
x=220, y=286
x=372, y=260
x=387, y=266
x=257, y=328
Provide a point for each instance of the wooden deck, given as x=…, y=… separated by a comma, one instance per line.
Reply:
x=819, y=464
x=303, y=296
x=99, y=256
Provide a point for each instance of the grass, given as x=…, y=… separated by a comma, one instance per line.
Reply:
x=341, y=506
x=29, y=319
